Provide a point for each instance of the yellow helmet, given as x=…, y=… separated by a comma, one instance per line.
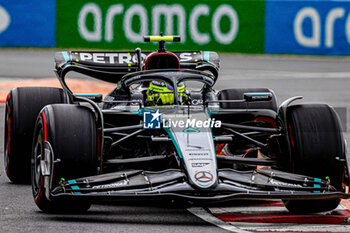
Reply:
x=161, y=93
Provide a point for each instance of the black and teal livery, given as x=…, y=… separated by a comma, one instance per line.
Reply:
x=87, y=147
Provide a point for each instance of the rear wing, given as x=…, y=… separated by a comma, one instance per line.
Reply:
x=112, y=66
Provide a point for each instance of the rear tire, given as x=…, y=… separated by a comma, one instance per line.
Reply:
x=316, y=139
x=22, y=107
x=72, y=134
x=237, y=94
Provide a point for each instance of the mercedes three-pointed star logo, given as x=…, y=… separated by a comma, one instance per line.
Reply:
x=204, y=176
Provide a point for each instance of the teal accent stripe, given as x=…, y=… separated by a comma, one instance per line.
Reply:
x=318, y=180
x=66, y=56
x=211, y=112
x=279, y=117
x=74, y=186
x=211, y=130
x=173, y=139
x=206, y=56
x=317, y=185
x=72, y=181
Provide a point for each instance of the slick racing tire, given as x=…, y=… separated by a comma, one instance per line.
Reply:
x=237, y=94
x=69, y=133
x=316, y=140
x=23, y=105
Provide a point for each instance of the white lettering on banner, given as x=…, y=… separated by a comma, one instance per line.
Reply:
x=169, y=11
x=5, y=19
x=225, y=10
x=314, y=40
x=332, y=16
x=111, y=13
x=347, y=29
x=95, y=34
x=124, y=58
x=198, y=37
x=102, y=57
x=140, y=11
x=111, y=57
x=185, y=57
x=85, y=56
x=98, y=57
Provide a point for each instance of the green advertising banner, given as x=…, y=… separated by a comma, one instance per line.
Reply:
x=228, y=26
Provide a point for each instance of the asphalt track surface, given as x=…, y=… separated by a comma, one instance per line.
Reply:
x=317, y=79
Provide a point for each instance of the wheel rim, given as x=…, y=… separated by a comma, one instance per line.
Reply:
x=36, y=169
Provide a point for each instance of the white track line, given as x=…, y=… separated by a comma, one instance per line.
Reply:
x=269, y=227
x=257, y=209
x=208, y=217
x=248, y=209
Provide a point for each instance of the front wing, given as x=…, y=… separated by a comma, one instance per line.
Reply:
x=172, y=184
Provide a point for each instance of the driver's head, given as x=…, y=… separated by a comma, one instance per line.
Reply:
x=161, y=93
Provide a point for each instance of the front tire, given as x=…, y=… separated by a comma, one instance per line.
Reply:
x=23, y=105
x=316, y=140
x=71, y=132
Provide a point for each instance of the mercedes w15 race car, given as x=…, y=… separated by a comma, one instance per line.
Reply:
x=165, y=133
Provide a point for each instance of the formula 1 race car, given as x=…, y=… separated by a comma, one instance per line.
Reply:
x=165, y=133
